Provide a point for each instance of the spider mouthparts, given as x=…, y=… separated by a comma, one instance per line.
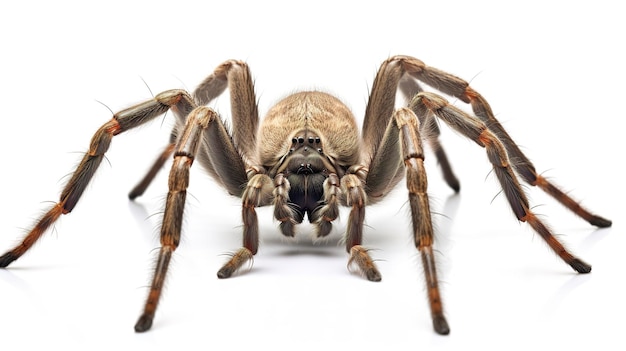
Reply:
x=305, y=169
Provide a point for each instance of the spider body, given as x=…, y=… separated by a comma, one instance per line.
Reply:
x=306, y=137
x=306, y=158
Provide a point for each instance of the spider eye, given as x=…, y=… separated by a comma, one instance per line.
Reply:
x=317, y=140
x=300, y=140
x=311, y=140
x=294, y=140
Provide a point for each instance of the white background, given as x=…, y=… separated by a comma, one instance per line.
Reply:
x=553, y=73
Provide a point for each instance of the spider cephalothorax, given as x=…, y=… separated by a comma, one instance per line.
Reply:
x=306, y=158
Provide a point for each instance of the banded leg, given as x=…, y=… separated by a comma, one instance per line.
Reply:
x=186, y=150
x=390, y=77
x=258, y=193
x=416, y=182
x=284, y=213
x=524, y=166
x=430, y=131
x=354, y=196
x=227, y=159
x=400, y=150
x=457, y=87
x=476, y=130
x=100, y=142
x=328, y=210
x=236, y=76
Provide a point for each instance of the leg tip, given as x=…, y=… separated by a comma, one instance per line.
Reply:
x=364, y=263
x=6, y=259
x=373, y=275
x=225, y=272
x=580, y=266
x=143, y=324
x=600, y=222
x=455, y=185
x=441, y=325
x=236, y=261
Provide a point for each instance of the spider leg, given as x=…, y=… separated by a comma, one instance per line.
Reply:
x=230, y=157
x=393, y=144
x=354, y=196
x=413, y=156
x=430, y=131
x=122, y=121
x=460, y=89
x=476, y=130
x=225, y=155
x=524, y=166
x=392, y=75
x=236, y=76
x=261, y=190
x=206, y=139
x=143, y=184
x=184, y=154
x=400, y=149
x=258, y=191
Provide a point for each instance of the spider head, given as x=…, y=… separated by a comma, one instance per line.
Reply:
x=306, y=155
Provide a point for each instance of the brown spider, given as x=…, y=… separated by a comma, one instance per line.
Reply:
x=306, y=159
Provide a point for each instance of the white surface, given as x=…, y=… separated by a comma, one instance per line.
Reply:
x=553, y=73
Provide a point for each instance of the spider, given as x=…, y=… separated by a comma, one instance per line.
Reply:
x=306, y=158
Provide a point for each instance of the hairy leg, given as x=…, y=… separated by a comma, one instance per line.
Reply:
x=476, y=130
x=223, y=159
x=378, y=113
x=122, y=121
x=184, y=154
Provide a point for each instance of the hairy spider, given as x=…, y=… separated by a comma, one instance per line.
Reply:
x=306, y=158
